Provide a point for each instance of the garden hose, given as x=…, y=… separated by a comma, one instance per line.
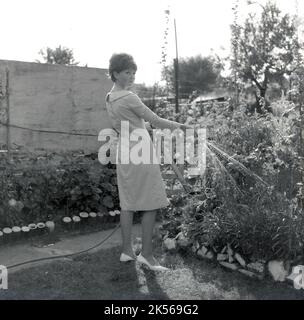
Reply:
x=66, y=255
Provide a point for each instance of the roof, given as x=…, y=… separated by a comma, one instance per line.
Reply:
x=215, y=95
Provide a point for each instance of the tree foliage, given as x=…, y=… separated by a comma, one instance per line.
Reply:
x=265, y=48
x=144, y=91
x=195, y=74
x=59, y=55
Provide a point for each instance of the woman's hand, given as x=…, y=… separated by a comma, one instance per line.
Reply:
x=148, y=126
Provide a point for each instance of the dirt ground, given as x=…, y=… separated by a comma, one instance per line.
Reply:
x=100, y=276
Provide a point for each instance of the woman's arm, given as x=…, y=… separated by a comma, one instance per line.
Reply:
x=142, y=111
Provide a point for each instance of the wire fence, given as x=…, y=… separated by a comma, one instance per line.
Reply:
x=168, y=175
x=22, y=151
x=49, y=131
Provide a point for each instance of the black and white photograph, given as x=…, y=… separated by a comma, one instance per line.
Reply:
x=152, y=151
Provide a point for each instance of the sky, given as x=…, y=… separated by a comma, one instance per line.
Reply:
x=95, y=29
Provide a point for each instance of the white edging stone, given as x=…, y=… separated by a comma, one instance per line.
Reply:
x=240, y=260
x=222, y=257
x=231, y=266
x=277, y=270
x=251, y=274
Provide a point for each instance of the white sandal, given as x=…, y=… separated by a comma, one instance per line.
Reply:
x=125, y=258
x=143, y=260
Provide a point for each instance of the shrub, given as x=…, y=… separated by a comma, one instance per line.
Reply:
x=250, y=194
x=43, y=188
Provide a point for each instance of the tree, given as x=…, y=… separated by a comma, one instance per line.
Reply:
x=195, y=74
x=59, y=55
x=143, y=90
x=150, y=94
x=266, y=49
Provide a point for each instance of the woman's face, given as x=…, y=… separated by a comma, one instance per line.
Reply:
x=125, y=78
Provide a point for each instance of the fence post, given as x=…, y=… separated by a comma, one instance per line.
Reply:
x=7, y=96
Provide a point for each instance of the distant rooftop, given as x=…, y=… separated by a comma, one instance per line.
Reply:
x=215, y=95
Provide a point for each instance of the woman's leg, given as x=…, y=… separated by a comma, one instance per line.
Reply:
x=126, y=222
x=148, y=223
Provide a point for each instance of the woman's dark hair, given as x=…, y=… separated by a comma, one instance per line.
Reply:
x=120, y=62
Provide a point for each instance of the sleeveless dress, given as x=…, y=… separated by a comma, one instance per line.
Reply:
x=140, y=185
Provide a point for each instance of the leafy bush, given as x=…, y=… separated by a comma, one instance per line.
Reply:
x=39, y=189
x=250, y=194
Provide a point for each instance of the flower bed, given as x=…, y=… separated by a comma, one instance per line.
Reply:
x=53, y=186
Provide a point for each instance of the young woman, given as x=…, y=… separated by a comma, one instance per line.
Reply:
x=140, y=186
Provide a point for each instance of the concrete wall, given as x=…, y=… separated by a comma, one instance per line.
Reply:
x=3, y=103
x=55, y=98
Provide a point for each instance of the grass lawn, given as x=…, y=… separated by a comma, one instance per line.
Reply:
x=101, y=276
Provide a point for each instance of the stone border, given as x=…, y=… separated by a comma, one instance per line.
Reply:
x=278, y=270
x=68, y=223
